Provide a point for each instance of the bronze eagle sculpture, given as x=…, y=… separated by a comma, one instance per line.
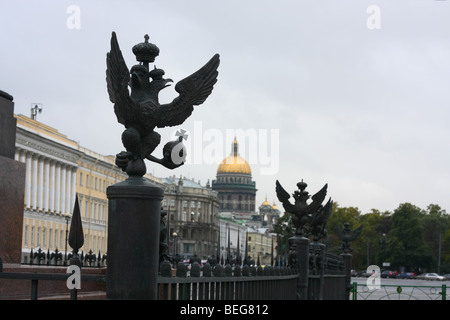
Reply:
x=308, y=218
x=137, y=107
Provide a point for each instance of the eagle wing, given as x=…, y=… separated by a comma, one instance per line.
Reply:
x=356, y=233
x=193, y=91
x=283, y=196
x=321, y=216
x=317, y=200
x=117, y=79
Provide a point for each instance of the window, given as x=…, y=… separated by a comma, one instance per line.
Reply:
x=81, y=179
x=172, y=203
x=26, y=236
x=188, y=247
x=32, y=237
x=38, y=236
x=50, y=234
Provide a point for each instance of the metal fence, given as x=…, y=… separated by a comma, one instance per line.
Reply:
x=399, y=292
x=226, y=282
x=57, y=258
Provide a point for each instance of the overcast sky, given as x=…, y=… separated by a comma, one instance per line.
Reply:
x=350, y=93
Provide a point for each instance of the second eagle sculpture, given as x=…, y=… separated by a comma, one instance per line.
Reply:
x=137, y=106
x=308, y=218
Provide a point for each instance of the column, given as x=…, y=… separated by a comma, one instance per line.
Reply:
x=63, y=189
x=45, y=206
x=57, y=187
x=68, y=193
x=73, y=187
x=40, y=183
x=34, y=179
x=52, y=186
x=28, y=162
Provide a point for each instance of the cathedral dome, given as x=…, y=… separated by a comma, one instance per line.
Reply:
x=234, y=163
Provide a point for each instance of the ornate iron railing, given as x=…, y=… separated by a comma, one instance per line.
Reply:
x=227, y=283
x=399, y=292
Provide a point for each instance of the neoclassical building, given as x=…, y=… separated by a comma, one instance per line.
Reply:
x=268, y=214
x=192, y=217
x=237, y=190
x=58, y=168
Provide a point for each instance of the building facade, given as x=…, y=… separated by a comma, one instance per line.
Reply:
x=237, y=190
x=58, y=169
x=268, y=214
x=261, y=246
x=192, y=218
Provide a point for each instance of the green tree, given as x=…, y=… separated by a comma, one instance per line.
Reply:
x=435, y=224
x=284, y=229
x=373, y=237
x=445, y=252
x=339, y=216
x=405, y=243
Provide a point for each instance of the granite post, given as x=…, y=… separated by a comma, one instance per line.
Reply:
x=133, y=239
x=301, y=251
x=12, y=185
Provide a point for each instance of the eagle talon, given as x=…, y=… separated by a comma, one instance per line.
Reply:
x=122, y=159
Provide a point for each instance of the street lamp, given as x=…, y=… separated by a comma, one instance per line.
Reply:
x=67, y=216
x=174, y=235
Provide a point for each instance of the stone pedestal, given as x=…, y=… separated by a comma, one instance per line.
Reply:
x=12, y=193
x=133, y=239
x=301, y=248
x=348, y=273
x=12, y=185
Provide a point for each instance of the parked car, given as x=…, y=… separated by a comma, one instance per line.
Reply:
x=364, y=273
x=407, y=275
x=433, y=276
x=389, y=274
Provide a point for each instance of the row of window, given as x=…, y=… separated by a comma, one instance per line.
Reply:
x=97, y=210
x=234, y=180
x=56, y=239
x=193, y=204
x=95, y=183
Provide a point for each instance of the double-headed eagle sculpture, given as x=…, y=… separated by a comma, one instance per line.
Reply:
x=137, y=106
x=308, y=218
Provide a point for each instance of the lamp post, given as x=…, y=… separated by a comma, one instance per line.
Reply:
x=175, y=236
x=67, y=216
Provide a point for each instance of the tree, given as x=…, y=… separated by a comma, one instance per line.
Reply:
x=405, y=244
x=435, y=224
x=284, y=229
x=374, y=236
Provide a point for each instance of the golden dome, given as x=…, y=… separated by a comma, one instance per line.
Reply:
x=234, y=163
x=266, y=203
x=274, y=207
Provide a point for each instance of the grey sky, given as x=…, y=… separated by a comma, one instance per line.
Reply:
x=364, y=110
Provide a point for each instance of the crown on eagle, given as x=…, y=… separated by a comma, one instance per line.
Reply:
x=145, y=51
